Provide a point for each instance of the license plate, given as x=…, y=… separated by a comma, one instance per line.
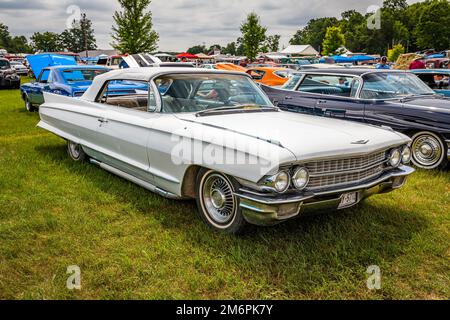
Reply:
x=348, y=200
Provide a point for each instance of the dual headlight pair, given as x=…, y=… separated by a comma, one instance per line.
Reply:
x=282, y=180
x=400, y=156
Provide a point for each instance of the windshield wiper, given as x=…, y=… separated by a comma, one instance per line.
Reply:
x=250, y=107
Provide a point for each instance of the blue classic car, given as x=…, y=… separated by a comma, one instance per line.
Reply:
x=70, y=81
x=396, y=99
x=436, y=79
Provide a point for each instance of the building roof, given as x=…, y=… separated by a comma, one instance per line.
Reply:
x=304, y=50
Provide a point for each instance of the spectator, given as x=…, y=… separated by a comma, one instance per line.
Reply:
x=417, y=63
x=383, y=64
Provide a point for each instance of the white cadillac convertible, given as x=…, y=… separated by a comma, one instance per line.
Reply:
x=215, y=137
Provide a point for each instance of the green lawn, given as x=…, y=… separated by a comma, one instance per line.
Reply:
x=130, y=243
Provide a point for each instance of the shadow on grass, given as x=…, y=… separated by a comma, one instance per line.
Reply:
x=298, y=256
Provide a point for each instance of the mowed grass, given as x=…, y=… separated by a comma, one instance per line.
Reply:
x=132, y=244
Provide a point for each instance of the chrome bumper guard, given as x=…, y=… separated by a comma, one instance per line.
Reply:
x=264, y=210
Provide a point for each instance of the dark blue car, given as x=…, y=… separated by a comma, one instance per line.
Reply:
x=396, y=99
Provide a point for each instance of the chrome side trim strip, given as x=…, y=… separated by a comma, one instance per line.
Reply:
x=135, y=180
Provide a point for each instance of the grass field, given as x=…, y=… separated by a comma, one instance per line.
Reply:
x=132, y=244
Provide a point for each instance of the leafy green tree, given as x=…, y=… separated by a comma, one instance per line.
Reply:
x=272, y=43
x=214, y=48
x=80, y=37
x=133, y=29
x=395, y=52
x=432, y=30
x=395, y=5
x=333, y=40
x=46, y=42
x=197, y=49
x=230, y=49
x=4, y=36
x=253, y=35
x=314, y=32
x=19, y=44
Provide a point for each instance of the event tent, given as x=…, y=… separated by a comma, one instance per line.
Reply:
x=303, y=50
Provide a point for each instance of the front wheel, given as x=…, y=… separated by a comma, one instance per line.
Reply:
x=428, y=151
x=217, y=205
x=76, y=152
x=29, y=106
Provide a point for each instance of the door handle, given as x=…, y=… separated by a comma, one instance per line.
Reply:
x=288, y=98
x=103, y=120
x=322, y=102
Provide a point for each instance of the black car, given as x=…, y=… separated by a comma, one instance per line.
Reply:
x=396, y=99
x=8, y=76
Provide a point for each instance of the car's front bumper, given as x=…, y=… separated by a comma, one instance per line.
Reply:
x=263, y=210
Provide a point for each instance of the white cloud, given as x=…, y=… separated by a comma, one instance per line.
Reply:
x=180, y=23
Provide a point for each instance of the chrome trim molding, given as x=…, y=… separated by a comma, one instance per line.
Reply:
x=135, y=180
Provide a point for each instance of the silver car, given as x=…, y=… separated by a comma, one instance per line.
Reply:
x=215, y=137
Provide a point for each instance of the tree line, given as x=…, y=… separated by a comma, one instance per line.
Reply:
x=403, y=28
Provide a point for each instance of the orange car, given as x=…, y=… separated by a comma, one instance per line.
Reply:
x=270, y=76
x=230, y=67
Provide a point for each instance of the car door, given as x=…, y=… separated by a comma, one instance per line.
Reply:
x=35, y=94
x=123, y=131
x=326, y=95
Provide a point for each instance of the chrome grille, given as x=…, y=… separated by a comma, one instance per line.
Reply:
x=340, y=172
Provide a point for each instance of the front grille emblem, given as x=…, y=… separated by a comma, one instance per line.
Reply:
x=361, y=142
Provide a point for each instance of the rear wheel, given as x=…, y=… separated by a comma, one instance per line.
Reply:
x=76, y=152
x=429, y=151
x=217, y=205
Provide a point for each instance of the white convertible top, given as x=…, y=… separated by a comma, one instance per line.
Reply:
x=143, y=74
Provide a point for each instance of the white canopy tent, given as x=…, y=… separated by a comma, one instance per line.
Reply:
x=303, y=50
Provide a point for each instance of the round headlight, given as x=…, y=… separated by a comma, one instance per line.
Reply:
x=406, y=155
x=395, y=158
x=279, y=182
x=301, y=178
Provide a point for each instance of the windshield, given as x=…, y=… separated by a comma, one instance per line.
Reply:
x=81, y=75
x=4, y=64
x=292, y=82
x=391, y=85
x=199, y=92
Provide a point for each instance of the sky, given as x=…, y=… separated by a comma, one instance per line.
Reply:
x=180, y=23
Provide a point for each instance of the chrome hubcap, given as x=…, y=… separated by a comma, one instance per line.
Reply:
x=74, y=150
x=427, y=150
x=218, y=198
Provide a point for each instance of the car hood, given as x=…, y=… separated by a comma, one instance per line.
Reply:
x=441, y=104
x=307, y=137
